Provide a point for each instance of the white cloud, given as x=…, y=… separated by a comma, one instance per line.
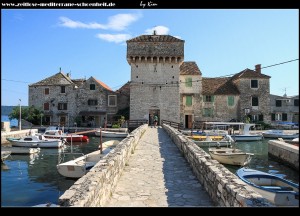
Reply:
x=117, y=22
x=117, y=38
x=121, y=21
x=177, y=37
x=66, y=22
x=160, y=30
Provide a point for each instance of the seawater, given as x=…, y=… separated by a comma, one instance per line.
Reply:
x=29, y=180
x=262, y=161
x=13, y=122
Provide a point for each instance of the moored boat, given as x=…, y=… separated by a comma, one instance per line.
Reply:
x=279, y=134
x=56, y=133
x=35, y=141
x=275, y=189
x=230, y=156
x=112, y=134
x=80, y=166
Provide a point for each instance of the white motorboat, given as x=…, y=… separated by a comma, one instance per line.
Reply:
x=275, y=189
x=230, y=156
x=112, y=134
x=36, y=140
x=80, y=166
x=244, y=130
x=57, y=133
x=279, y=134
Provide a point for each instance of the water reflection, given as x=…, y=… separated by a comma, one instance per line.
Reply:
x=28, y=180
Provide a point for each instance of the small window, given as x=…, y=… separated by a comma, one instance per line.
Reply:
x=273, y=117
x=188, y=100
x=260, y=117
x=188, y=82
x=112, y=100
x=277, y=117
x=63, y=89
x=296, y=102
x=230, y=100
x=92, y=87
x=254, y=83
x=284, y=117
x=62, y=106
x=92, y=102
x=278, y=103
x=46, y=106
x=46, y=91
x=208, y=98
x=254, y=101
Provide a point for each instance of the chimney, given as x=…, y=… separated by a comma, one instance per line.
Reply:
x=258, y=68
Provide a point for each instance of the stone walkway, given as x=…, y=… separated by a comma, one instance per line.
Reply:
x=157, y=175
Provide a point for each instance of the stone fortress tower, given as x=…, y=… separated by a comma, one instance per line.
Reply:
x=155, y=68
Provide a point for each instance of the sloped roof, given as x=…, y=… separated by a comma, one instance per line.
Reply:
x=125, y=89
x=103, y=84
x=218, y=86
x=155, y=38
x=247, y=73
x=189, y=68
x=56, y=79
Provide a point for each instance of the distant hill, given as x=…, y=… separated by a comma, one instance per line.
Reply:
x=6, y=110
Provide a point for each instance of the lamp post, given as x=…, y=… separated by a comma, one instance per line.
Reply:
x=20, y=119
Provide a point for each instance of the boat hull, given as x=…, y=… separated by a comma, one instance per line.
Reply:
x=50, y=144
x=276, y=190
x=279, y=134
x=227, y=156
x=111, y=134
x=80, y=166
x=247, y=137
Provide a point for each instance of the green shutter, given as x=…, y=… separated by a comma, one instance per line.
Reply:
x=188, y=82
x=230, y=101
x=188, y=101
x=204, y=98
x=212, y=98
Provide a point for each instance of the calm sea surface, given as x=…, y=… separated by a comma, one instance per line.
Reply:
x=28, y=180
x=13, y=122
x=33, y=180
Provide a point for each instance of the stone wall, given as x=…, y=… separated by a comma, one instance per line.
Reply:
x=224, y=187
x=285, y=152
x=263, y=94
x=15, y=134
x=95, y=188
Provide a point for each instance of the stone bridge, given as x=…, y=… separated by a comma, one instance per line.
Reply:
x=159, y=167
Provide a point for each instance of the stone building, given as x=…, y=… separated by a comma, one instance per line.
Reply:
x=244, y=94
x=163, y=84
x=284, y=108
x=155, y=68
x=66, y=101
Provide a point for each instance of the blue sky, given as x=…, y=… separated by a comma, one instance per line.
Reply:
x=36, y=43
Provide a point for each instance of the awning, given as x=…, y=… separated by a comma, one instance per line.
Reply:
x=91, y=113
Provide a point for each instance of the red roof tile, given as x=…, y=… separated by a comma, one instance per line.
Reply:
x=189, y=68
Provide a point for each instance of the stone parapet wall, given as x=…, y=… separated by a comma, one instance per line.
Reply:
x=15, y=134
x=95, y=188
x=224, y=187
x=285, y=152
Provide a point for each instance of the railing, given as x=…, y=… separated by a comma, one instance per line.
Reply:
x=176, y=125
x=132, y=124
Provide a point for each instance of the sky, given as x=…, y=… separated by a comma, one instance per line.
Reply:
x=37, y=43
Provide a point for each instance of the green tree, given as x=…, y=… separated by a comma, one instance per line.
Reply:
x=30, y=114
